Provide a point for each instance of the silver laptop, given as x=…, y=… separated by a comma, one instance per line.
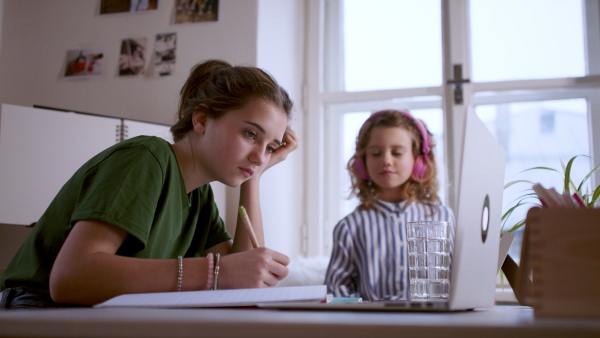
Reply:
x=477, y=238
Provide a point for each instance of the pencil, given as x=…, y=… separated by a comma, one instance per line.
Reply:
x=248, y=225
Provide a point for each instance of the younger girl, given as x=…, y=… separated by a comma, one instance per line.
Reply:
x=393, y=173
x=140, y=216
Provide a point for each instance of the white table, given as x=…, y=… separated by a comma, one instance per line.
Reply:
x=499, y=321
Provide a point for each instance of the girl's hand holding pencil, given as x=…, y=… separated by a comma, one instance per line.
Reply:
x=258, y=268
x=271, y=265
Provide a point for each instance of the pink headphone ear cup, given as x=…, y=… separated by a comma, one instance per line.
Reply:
x=359, y=168
x=420, y=168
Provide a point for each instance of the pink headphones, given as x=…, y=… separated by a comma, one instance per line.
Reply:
x=420, y=167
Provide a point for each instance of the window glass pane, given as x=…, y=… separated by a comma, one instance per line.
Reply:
x=382, y=49
x=526, y=39
x=352, y=122
x=538, y=134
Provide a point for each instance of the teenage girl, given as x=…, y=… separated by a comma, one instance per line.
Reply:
x=393, y=173
x=140, y=216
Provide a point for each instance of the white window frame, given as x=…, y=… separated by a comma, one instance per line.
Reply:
x=317, y=232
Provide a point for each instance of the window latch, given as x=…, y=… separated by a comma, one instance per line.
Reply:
x=458, y=82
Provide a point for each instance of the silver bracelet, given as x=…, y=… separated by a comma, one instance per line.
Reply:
x=217, y=271
x=179, y=272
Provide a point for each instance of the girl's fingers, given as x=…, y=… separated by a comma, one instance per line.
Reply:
x=290, y=139
x=278, y=271
x=288, y=144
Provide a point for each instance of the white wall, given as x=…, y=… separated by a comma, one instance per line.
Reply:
x=37, y=34
x=35, y=37
x=281, y=51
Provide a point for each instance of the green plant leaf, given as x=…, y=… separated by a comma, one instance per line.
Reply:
x=517, y=226
x=529, y=196
x=594, y=197
x=540, y=168
x=509, y=184
x=586, y=178
x=520, y=203
x=507, y=214
x=566, y=187
x=510, y=211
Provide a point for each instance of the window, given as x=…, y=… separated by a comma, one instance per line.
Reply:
x=530, y=68
x=531, y=39
x=380, y=47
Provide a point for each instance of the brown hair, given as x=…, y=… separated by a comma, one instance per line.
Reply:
x=424, y=190
x=223, y=87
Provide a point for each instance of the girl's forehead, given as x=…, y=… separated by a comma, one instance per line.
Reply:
x=382, y=133
x=271, y=118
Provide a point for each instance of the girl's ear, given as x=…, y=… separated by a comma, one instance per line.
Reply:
x=200, y=118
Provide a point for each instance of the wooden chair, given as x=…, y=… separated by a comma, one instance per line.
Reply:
x=11, y=238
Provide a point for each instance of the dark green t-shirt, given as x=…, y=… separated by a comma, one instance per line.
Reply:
x=135, y=185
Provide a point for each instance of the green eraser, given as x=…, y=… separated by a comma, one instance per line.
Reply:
x=242, y=210
x=346, y=300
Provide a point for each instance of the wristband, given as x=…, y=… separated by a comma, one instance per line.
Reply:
x=211, y=271
x=179, y=272
x=217, y=270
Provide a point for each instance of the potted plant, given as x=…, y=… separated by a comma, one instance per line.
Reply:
x=589, y=195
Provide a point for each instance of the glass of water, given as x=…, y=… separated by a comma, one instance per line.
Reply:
x=429, y=259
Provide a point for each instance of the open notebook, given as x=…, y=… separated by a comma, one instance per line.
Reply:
x=220, y=298
x=477, y=237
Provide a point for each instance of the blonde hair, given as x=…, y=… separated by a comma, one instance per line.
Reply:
x=423, y=189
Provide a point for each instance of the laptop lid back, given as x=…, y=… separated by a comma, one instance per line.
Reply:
x=478, y=218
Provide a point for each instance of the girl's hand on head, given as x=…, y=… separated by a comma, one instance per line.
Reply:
x=289, y=144
x=257, y=268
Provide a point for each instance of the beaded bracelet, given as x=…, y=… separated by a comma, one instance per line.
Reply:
x=179, y=272
x=211, y=271
x=217, y=270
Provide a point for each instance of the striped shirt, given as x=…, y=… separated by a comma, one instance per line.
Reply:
x=369, y=256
